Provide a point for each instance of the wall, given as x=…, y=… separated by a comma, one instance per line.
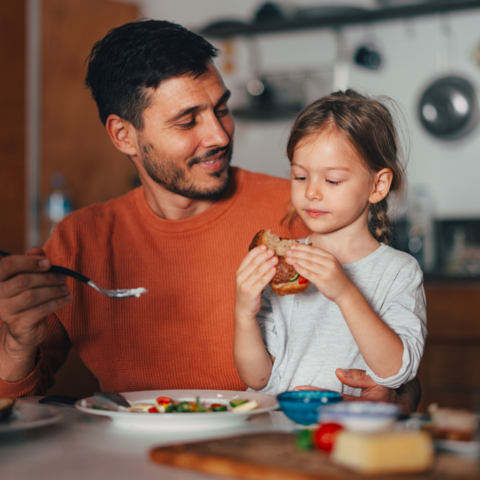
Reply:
x=12, y=126
x=414, y=54
x=69, y=114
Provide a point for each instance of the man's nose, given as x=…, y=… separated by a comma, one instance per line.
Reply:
x=215, y=134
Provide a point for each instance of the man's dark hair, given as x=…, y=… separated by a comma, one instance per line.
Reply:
x=138, y=56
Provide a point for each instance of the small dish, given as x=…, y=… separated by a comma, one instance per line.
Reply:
x=363, y=417
x=303, y=406
x=468, y=449
x=26, y=416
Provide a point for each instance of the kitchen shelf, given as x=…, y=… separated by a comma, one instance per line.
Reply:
x=231, y=28
x=440, y=278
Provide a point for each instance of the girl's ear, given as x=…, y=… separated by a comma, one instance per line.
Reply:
x=122, y=134
x=381, y=185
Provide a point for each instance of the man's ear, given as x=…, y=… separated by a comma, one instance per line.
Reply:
x=381, y=185
x=123, y=134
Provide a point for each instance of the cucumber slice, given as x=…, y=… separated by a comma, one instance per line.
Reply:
x=246, y=407
x=294, y=278
x=236, y=403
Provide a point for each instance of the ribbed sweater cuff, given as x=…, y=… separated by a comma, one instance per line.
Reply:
x=22, y=388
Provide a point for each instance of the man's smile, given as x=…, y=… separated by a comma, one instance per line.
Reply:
x=213, y=163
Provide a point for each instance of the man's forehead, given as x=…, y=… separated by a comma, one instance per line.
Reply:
x=178, y=93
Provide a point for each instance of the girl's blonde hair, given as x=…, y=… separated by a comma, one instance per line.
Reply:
x=368, y=125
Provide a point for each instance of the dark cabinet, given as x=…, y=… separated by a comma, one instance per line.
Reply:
x=450, y=368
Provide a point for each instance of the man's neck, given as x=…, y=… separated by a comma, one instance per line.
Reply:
x=169, y=205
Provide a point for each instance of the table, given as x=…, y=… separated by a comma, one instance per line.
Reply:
x=83, y=447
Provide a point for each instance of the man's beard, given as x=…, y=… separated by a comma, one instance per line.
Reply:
x=172, y=177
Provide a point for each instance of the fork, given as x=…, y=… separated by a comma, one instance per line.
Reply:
x=117, y=398
x=120, y=293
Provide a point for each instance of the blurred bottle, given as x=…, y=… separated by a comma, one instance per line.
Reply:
x=421, y=234
x=59, y=203
x=457, y=253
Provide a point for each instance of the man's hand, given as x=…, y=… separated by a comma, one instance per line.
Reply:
x=28, y=294
x=407, y=396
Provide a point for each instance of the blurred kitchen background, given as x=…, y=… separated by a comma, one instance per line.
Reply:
x=276, y=57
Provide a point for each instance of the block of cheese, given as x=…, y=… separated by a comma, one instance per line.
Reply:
x=383, y=452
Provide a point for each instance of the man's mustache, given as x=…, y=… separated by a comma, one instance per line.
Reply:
x=208, y=155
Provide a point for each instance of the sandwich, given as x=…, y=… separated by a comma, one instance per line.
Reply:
x=286, y=280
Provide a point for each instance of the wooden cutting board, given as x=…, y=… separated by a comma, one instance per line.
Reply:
x=273, y=456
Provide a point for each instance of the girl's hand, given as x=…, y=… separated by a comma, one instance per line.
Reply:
x=254, y=274
x=322, y=269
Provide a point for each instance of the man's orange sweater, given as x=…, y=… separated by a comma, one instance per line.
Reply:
x=180, y=334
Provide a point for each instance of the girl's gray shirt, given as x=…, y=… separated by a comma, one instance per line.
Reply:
x=309, y=338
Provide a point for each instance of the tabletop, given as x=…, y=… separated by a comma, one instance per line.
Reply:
x=81, y=447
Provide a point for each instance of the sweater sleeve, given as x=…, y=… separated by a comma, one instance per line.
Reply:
x=404, y=310
x=51, y=355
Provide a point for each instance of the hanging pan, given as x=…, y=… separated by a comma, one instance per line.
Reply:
x=448, y=108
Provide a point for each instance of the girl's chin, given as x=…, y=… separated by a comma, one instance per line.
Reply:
x=315, y=219
x=320, y=225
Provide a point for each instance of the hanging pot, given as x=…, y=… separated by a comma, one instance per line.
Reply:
x=448, y=108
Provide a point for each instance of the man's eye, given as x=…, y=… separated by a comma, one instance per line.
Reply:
x=188, y=125
x=333, y=182
x=222, y=112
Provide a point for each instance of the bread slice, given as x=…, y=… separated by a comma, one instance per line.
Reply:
x=281, y=284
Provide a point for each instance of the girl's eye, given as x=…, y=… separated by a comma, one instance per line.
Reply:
x=188, y=125
x=299, y=178
x=334, y=182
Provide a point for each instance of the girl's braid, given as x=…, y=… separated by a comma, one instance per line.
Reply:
x=379, y=223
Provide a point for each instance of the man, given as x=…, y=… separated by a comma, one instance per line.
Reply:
x=181, y=235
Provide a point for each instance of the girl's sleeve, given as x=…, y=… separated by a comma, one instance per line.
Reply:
x=404, y=310
x=267, y=324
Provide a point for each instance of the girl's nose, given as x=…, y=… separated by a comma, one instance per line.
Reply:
x=313, y=193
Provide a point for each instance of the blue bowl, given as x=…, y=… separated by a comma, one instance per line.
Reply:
x=303, y=407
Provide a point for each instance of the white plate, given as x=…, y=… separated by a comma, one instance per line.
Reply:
x=25, y=416
x=469, y=449
x=182, y=421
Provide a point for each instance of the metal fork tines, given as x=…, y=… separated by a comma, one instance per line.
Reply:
x=117, y=398
x=121, y=293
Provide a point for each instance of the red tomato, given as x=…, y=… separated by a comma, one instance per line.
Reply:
x=325, y=436
x=302, y=279
x=152, y=410
x=164, y=400
x=216, y=405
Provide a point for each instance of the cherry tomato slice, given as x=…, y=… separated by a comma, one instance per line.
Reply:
x=152, y=410
x=164, y=400
x=302, y=280
x=325, y=436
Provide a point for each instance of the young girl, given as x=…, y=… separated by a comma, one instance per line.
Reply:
x=365, y=307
